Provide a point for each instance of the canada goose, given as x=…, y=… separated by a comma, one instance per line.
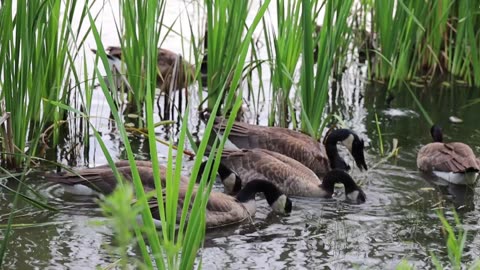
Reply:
x=224, y=210
x=454, y=162
x=228, y=178
x=301, y=147
x=102, y=180
x=168, y=63
x=289, y=175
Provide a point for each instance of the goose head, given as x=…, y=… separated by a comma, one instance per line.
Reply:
x=231, y=181
x=279, y=202
x=437, y=134
x=354, y=144
x=353, y=192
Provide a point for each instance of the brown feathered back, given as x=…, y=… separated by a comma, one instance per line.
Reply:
x=293, y=144
x=222, y=209
x=289, y=175
x=447, y=157
x=102, y=178
x=167, y=62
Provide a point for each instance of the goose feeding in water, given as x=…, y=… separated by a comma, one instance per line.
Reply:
x=101, y=179
x=289, y=175
x=301, y=147
x=222, y=209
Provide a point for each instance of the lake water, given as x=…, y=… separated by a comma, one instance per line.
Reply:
x=398, y=220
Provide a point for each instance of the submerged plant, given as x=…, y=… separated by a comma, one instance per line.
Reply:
x=455, y=242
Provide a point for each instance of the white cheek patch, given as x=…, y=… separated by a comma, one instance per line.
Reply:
x=353, y=196
x=229, y=183
x=348, y=142
x=279, y=205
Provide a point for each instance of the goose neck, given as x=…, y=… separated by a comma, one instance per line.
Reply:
x=248, y=192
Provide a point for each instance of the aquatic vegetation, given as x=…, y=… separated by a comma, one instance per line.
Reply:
x=455, y=243
x=37, y=45
x=142, y=24
x=416, y=37
x=174, y=247
x=315, y=81
x=284, y=45
x=227, y=47
x=41, y=44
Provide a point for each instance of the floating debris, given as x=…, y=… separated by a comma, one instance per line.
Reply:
x=395, y=112
x=455, y=119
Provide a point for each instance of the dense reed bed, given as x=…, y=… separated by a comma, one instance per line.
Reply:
x=177, y=245
x=37, y=52
x=415, y=38
x=39, y=48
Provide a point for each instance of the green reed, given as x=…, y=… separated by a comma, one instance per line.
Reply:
x=176, y=247
x=283, y=48
x=455, y=242
x=315, y=81
x=420, y=106
x=36, y=62
x=227, y=46
x=431, y=37
x=456, y=237
x=37, y=45
x=140, y=35
x=380, y=137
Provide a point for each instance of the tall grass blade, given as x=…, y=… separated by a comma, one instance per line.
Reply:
x=315, y=83
x=283, y=49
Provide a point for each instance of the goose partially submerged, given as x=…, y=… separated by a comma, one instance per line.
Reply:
x=454, y=162
x=301, y=147
x=289, y=175
x=224, y=210
x=101, y=179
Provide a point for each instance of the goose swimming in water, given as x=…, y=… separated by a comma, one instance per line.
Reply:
x=454, y=162
x=101, y=179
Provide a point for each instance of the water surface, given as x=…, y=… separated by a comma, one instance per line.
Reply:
x=397, y=222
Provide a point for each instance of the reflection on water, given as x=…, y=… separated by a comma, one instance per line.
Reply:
x=397, y=222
